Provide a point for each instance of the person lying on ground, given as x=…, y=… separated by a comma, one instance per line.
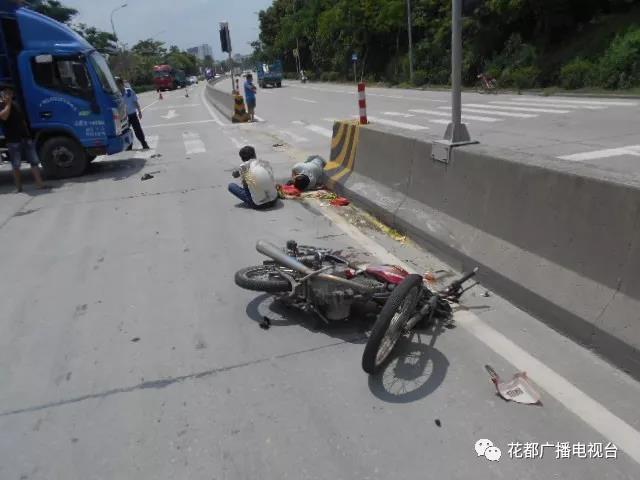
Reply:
x=308, y=175
x=258, y=189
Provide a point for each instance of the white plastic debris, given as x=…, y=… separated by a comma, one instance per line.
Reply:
x=519, y=389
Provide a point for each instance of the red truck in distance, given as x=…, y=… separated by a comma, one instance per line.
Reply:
x=165, y=77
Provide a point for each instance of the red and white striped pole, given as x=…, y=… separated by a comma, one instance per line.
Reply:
x=362, y=101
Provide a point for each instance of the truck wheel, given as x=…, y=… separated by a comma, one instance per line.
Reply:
x=63, y=157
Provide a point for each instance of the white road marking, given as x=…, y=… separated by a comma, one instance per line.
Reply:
x=235, y=141
x=178, y=124
x=544, y=105
x=393, y=123
x=209, y=108
x=193, y=143
x=303, y=100
x=466, y=117
x=633, y=150
x=170, y=114
x=325, y=132
x=188, y=105
x=293, y=136
x=501, y=114
x=606, y=103
x=594, y=414
x=150, y=105
x=398, y=114
x=515, y=109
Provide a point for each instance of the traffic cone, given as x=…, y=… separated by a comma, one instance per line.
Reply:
x=239, y=112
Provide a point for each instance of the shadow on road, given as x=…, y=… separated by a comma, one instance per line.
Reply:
x=415, y=371
x=351, y=331
x=116, y=170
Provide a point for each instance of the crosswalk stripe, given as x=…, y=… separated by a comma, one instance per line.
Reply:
x=466, y=117
x=398, y=114
x=633, y=150
x=501, y=114
x=607, y=103
x=393, y=123
x=544, y=105
x=516, y=109
x=193, y=143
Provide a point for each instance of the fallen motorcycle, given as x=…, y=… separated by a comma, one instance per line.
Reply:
x=322, y=282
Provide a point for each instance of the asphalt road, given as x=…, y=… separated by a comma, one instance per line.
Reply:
x=127, y=352
x=602, y=132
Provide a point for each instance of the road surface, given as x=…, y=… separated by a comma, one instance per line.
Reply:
x=602, y=132
x=128, y=352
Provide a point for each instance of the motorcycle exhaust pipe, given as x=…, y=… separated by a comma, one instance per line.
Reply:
x=273, y=252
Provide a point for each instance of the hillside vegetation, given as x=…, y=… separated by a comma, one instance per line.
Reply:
x=523, y=43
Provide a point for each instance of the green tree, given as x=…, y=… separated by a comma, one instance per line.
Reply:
x=54, y=9
x=104, y=42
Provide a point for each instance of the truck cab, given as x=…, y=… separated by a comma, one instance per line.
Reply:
x=71, y=101
x=269, y=74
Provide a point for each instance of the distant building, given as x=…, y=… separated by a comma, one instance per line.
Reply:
x=202, y=51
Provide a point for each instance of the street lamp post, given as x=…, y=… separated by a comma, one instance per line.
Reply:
x=409, y=30
x=457, y=133
x=113, y=27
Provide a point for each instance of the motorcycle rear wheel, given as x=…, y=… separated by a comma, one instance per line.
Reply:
x=262, y=278
x=389, y=326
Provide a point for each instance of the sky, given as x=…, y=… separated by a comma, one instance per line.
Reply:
x=185, y=23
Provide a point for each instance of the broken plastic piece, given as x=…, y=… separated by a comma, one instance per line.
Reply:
x=146, y=176
x=265, y=324
x=340, y=202
x=519, y=389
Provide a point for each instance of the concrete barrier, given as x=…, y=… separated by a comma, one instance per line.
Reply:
x=553, y=237
x=222, y=101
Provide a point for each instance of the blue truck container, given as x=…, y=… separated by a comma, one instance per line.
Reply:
x=269, y=74
x=69, y=96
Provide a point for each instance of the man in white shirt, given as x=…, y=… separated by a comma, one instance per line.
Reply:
x=134, y=112
x=258, y=189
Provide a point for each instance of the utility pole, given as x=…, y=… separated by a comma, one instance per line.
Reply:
x=457, y=133
x=409, y=30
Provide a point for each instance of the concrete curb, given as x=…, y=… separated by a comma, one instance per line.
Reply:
x=221, y=101
x=562, y=245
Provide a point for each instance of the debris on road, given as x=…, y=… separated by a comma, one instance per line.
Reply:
x=340, y=202
x=265, y=324
x=519, y=389
x=135, y=339
x=486, y=294
x=147, y=176
x=438, y=423
x=156, y=155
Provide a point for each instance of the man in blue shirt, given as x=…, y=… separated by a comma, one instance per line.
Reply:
x=134, y=112
x=250, y=96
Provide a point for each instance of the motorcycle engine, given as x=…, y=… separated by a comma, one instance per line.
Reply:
x=333, y=301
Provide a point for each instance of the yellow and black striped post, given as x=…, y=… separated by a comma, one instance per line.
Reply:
x=239, y=112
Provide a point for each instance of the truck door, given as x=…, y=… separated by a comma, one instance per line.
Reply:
x=62, y=97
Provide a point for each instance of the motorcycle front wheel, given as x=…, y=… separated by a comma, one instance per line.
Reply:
x=389, y=326
x=262, y=278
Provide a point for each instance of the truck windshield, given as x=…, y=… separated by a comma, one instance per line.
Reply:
x=104, y=74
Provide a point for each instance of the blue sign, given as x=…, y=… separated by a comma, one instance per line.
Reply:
x=354, y=57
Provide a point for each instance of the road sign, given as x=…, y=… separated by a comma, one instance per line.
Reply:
x=354, y=57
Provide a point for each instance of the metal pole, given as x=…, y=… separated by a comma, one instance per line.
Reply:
x=233, y=85
x=456, y=66
x=409, y=30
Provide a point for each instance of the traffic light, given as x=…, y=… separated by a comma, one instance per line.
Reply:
x=225, y=37
x=470, y=6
